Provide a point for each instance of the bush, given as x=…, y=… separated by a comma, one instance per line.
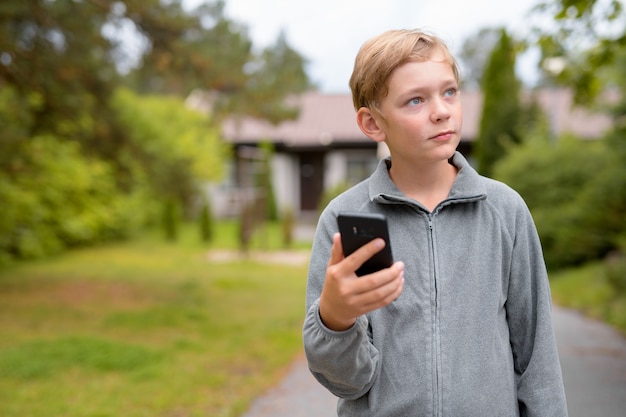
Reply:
x=616, y=273
x=576, y=191
x=176, y=147
x=171, y=219
x=616, y=267
x=57, y=195
x=57, y=199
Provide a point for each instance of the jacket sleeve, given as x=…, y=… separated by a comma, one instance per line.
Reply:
x=537, y=368
x=345, y=362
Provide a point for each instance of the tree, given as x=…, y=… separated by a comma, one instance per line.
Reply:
x=54, y=54
x=474, y=55
x=63, y=57
x=264, y=181
x=577, y=189
x=280, y=72
x=62, y=63
x=173, y=146
x=499, y=123
x=589, y=37
x=205, y=50
x=184, y=51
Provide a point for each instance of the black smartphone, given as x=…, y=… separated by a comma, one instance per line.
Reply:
x=357, y=229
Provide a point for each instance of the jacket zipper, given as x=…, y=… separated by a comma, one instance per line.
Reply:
x=436, y=389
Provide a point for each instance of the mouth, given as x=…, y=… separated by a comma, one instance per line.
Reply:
x=443, y=135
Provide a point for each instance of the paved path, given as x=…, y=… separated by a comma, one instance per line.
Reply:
x=593, y=357
x=298, y=395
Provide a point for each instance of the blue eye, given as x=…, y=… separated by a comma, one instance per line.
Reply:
x=415, y=101
x=450, y=92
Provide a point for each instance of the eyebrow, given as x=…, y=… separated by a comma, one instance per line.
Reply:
x=452, y=82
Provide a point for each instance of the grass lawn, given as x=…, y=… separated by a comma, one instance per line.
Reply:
x=588, y=289
x=147, y=328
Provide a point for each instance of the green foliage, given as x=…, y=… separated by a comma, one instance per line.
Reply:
x=279, y=73
x=16, y=120
x=81, y=160
x=176, y=147
x=474, y=55
x=616, y=273
x=576, y=191
x=206, y=221
x=58, y=197
x=55, y=198
x=56, y=50
x=589, y=289
x=204, y=49
x=72, y=54
x=577, y=33
x=584, y=219
x=171, y=219
x=265, y=182
x=591, y=222
x=499, y=123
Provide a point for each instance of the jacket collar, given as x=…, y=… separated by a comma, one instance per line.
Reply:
x=468, y=185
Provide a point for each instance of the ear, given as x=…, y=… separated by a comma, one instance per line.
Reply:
x=370, y=124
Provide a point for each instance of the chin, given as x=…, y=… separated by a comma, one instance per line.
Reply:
x=446, y=152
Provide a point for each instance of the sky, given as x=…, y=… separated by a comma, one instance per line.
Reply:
x=328, y=33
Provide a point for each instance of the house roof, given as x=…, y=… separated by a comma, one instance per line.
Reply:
x=325, y=119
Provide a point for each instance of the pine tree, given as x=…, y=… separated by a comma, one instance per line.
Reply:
x=499, y=123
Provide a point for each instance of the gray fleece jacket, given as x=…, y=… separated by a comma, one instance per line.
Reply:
x=471, y=334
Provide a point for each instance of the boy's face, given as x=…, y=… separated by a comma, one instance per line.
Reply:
x=421, y=114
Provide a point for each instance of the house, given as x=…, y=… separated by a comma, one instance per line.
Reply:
x=324, y=147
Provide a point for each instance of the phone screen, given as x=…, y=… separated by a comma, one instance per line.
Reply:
x=357, y=229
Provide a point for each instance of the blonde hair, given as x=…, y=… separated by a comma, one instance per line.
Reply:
x=382, y=54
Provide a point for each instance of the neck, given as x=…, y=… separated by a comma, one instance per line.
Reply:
x=429, y=184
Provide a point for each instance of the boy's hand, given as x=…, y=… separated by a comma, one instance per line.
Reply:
x=346, y=296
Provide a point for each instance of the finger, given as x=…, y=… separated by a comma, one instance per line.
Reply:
x=358, y=257
x=389, y=288
x=378, y=280
x=385, y=300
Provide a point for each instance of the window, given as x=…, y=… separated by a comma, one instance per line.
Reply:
x=360, y=166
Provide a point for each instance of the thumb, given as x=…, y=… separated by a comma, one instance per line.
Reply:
x=336, y=252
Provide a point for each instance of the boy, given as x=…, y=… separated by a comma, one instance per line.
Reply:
x=460, y=325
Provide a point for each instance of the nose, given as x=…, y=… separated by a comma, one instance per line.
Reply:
x=439, y=110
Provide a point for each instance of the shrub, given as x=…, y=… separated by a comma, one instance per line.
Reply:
x=616, y=267
x=176, y=147
x=171, y=219
x=576, y=192
x=56, y=199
